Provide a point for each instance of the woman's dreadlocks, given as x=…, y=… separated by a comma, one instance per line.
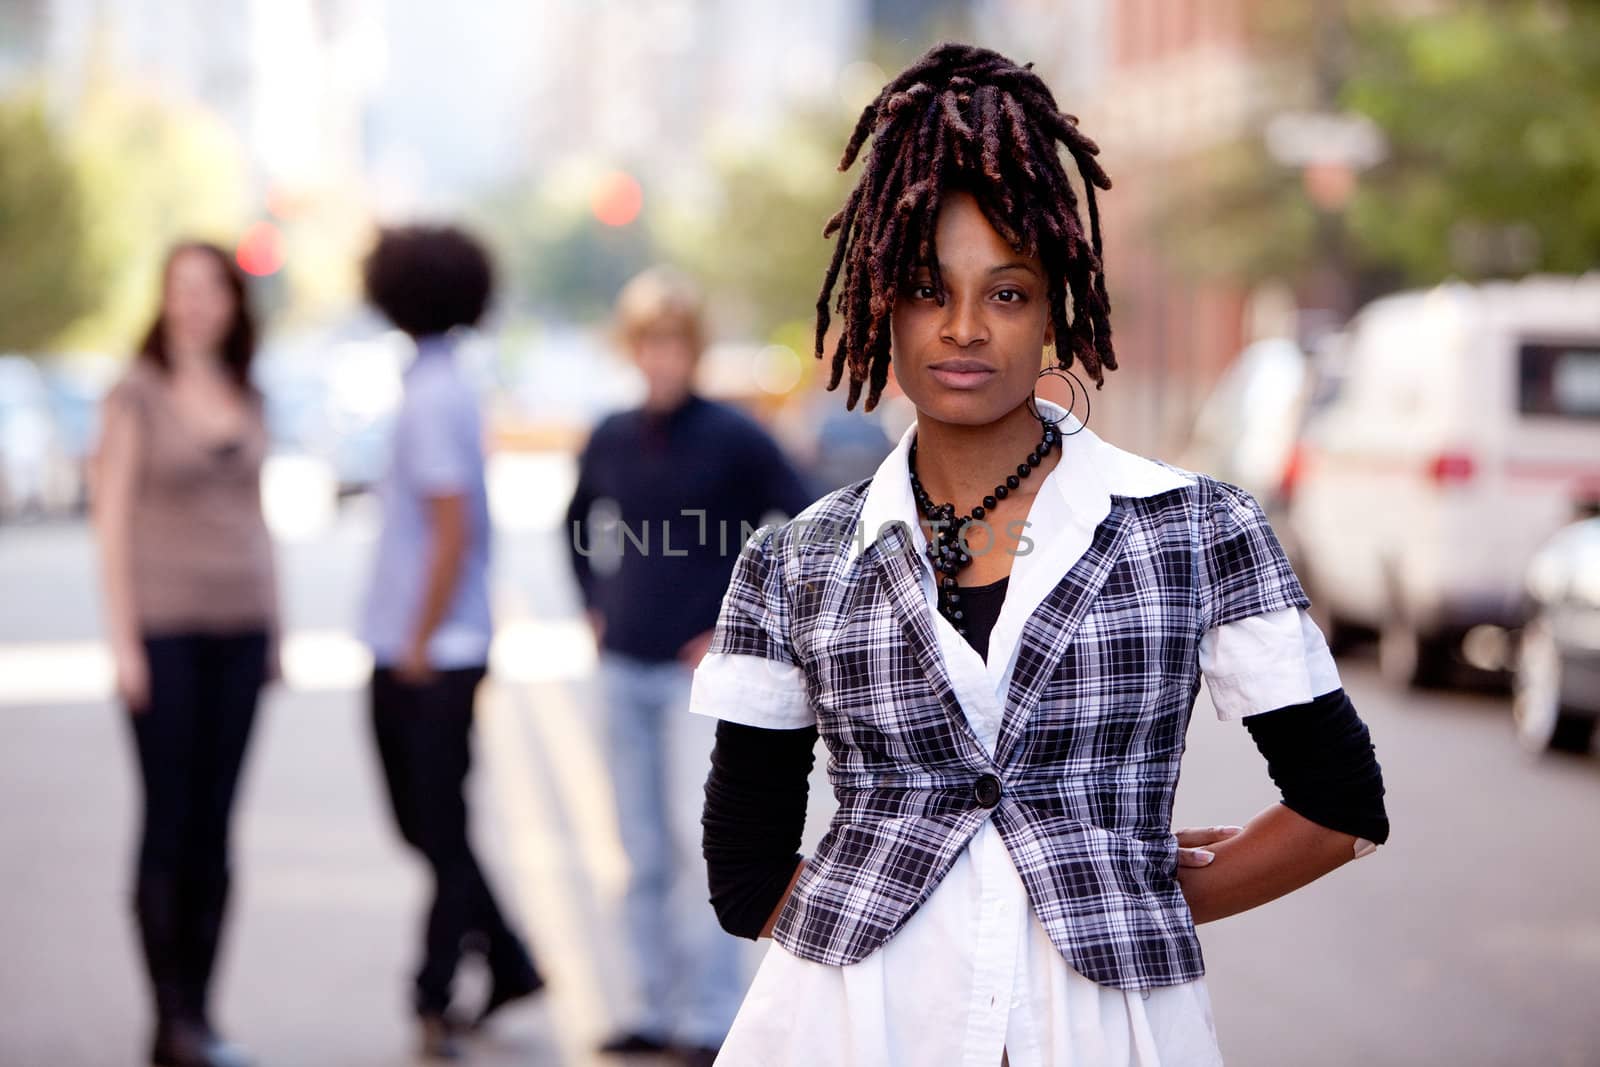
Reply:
x=963, y=117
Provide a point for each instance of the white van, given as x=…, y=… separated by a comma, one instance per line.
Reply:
x=1465, y=433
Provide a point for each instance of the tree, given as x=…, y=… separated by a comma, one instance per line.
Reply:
x=1494, y=163
x=46, y=278
x=1493, y=153
x=555, y=256
x=758, y=244
x=754, y=239
x=154, y=171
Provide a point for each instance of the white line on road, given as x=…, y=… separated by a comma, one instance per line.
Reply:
x=34, y=673
x=582, y=778
x=546, y=893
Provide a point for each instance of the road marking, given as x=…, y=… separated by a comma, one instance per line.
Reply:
x=582, y=777
x=536, y=662
x=583, y=781
x=55, y=672
x=79, y=672
x=540, y=863
x=34, y=673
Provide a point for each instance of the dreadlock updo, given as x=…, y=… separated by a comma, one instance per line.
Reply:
x=965, y=118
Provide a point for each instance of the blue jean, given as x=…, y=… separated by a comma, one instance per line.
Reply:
x=688, y=971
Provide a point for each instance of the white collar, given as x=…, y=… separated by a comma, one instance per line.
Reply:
x=1091, y=471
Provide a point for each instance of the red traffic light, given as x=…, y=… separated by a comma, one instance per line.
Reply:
x=260, y=250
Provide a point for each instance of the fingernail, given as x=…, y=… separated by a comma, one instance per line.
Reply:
x=1364, y=847
x=1231, y=829
x=1204, y=856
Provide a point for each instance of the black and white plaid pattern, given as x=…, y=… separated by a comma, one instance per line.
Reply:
x=1103, y=686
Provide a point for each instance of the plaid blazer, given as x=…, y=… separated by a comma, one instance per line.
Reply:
x=1081, y=783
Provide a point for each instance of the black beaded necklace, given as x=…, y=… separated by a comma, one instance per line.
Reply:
x=947, y=550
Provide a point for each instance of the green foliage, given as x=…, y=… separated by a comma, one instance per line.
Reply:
x=752, y=236
x=46, y=282
x=154, y=172
x=758, y=246
x=1493, y=168
x=554, y=257
x=1237, y=214
x=1492, y=112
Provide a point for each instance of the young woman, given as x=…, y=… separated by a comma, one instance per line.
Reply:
x=1000, y=637
x=191, y=610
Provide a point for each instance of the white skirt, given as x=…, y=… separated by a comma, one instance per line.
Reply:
x=972, y=979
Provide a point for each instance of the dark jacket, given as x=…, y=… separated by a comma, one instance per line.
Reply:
x=662, y=507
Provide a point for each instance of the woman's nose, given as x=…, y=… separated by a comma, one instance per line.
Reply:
x=963, y=325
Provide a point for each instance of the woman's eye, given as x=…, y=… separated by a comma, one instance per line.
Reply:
x=1012, y=296
x=922, y=292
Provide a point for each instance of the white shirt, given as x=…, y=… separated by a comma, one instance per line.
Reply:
x=973, y=976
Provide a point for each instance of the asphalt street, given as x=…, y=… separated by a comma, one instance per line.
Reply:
x=1472, y=938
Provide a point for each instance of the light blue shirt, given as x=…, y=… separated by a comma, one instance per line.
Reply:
x=437, y=451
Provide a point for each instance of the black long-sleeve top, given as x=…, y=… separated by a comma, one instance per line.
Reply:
x=686, y=486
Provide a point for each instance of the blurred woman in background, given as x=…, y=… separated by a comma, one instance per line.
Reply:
x=191, y=614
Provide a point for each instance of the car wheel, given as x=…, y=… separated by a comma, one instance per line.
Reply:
x=1407, y=658
x=1542, y=724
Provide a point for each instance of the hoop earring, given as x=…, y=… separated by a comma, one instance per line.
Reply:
x=1074, y=386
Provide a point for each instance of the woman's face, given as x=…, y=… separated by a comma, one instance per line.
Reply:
x=198, y=305
x=974, y=360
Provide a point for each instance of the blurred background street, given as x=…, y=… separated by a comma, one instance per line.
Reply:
x=1473, y=938
x=1353, y=251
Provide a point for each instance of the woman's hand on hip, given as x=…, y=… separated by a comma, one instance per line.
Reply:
x=772, y=920
x=1192, y=842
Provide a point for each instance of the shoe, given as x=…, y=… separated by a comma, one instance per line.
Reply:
x=185, y=1044
x=440, y=1037
x=525, y=983
x=629, y=1044
x=697, y=1056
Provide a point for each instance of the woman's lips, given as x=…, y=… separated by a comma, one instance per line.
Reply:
x=961, y=373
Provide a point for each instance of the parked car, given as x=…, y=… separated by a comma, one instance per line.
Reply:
x=1466, y=431
x=1246, y=429
x=77, y=387
x=1249, y=428
x=334, y=400
x=36, y=472
x=362, y=396
x=1556, y=693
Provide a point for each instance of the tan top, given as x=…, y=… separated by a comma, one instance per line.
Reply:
x=201, y=556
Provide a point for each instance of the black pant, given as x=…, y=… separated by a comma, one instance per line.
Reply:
x=423, y=734
x=191, y=741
